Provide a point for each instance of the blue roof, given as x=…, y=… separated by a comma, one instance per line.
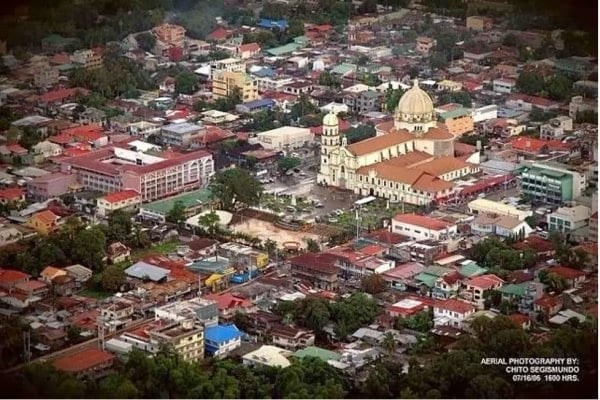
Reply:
x=273, y=23
x=221, y=333
x=142, y=270
x=259, y=103
x=264, y=72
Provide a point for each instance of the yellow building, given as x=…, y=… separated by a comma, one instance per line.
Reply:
x=458, y=122
x=186, y=338
x=224, y=82
x=44, y=222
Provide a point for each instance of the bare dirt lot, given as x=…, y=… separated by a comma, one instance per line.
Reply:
x=266, y=230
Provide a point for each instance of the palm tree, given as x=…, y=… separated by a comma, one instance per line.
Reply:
x=389, y=343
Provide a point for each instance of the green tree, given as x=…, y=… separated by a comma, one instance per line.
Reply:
x=389, y=343
x=89, y=248
x=186, y=82
x=326, y=78
x=113, y=278
x=558, y=87
x=530, y=83
x=371, y=80
x=119, y=226
x=235, y=186
x=438, y=60
x=312, y=246
x=210, y=222
x=177, y=213
x=392, y=97
x=302, y=107
x=422, y=322
x=287, y=163
x=146, y=41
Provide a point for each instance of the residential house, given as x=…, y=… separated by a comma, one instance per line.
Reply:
x=117, y=253
x=504, y=85
x=248, y=50
x=180, y=134
x=317, y=270
x=186, y=338
x=10, y=277
x=291, y=338
x=49, y=273
x=452, y=312
x=458, y=121
x=476, y=287
x=500, y=225
x=425, y=44
x=79, y=272
x=572, y=277
x=229, y=305
x=568, y=219
x=548, y=305
x=63, y=285
x=43, y=222
x=556, y=128
x=479, y=23
x=447, y=286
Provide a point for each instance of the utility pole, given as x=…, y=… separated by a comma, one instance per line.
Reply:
x=27, y=346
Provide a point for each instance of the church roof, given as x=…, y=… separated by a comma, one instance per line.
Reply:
x=437, y=134
x=415, y=101
x=378, y=143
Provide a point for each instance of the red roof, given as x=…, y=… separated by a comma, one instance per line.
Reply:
x=485, y=183
x=120, y=196
x=17, y=149
x=485, y=281
x=11, y=194
x=535, y=100
x=343, y=126
x=30, y=286
x=385, y=236
x=566, y=272
x=519, y=319
x=452, y=277
x=372, y=250
x=61, y=94
x=253, y=47
x=83, y=360
x=322, y=262
x=455, y=306
x=536, y=243
x=46, y=216
x=219, y=34
x=12, y=275
x=227, y=301
x=548, y=301
x=422, y=221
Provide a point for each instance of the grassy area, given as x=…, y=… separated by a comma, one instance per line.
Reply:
x=95, y=293
x=371, y=215
x=161, y=248
x=279, y=203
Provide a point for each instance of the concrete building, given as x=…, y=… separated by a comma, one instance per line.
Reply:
x=552, y=183
x=220, y=340
x=204, y=311
x=186, y=338
x=284, y=138
x=567, y=219
x=113, y=169
x=225, y=82
x=421, y=227
x=500, y=225
x=143, y=129
x=452, y=312
x=484, y=113
x=449, y=86
x=271, y=356
x=504, y=85
x=485, y=206
x=180, y=135
x=458, y=122
x=579, y=105
x=319, y=270
x=425, y=44
x=87, y=59
x=52, y=185
x=556, y=128
x=128, y=200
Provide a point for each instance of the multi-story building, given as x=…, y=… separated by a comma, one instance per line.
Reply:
x=87, y=59
x=423, y=251
x=556, y=128
x=476, y=287
x=552, y=183
x=244, y=255
x=272, y=83
x=169, y=34
x=202, y=310
x=229, y=64
x=318, y=270
x=593, y=231
x=458, y=121
x=449, y=86
x=45, y=76
x=579, y=105
x=425, y=44
x=452, y=312
x=51, y=185
x=484, y=113
x=421, y=227
x=220, y=340
x=567, y=219
x=286, y=137
x=291, y=338
x=180, y=135
x=504, y=85
x=143, y=129
x=113, y=169
x=362, y=102
x=225, y=82
x=186, y=338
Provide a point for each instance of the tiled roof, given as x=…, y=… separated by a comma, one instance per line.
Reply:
x=225, y=301
x=11, y=275
x=249, y=47
x=83, y=360
x=378, y=143
x=322, y=262
x=11, y=194
x=120, y=196
x=566, y=272
x=437, y=134
x=30, y=286
x=485, y=281
x=422, y=221
x=455, y=306
x=47, y=217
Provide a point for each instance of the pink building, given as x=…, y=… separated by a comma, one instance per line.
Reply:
x=111, y=169
x=52, y=185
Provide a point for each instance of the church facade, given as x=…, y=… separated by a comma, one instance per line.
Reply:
x=411, y=160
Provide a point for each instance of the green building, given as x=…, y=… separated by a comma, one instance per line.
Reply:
x=194, y=202
x=551, y=184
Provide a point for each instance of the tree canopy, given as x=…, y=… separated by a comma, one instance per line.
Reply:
x=235, y=186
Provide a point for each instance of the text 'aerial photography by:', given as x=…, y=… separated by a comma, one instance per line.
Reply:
x=314, y=199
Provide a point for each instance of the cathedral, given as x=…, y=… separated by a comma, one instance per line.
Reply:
x=410, y=160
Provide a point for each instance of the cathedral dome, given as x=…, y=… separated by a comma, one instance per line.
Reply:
x=330, y=119
x=415, y=106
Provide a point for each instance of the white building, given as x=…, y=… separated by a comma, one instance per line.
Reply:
x=47, y=149
x=567, y=219
x=143, y=129
x=128, y=199
x=495, y=207
x=335, y=108
x=273, y=83
x=556, y=128
x=452, y=312
x=271, y=356
x=484, y=113
x=420, y=227
x=229, y=64
x=202, y=310
x=286, y=137
x=501, y=225
x=504, y=85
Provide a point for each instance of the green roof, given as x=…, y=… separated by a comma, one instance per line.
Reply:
x=301, y=39
x=427, y=279
x=552, y=173
x=210, y=265
x=514, y=289
x=317, y=352
x=459, y=112
x=471, y=270
x=343, y=68
x=370, y=94
x=436, y=270
x=188, y=199
x=285, y=49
